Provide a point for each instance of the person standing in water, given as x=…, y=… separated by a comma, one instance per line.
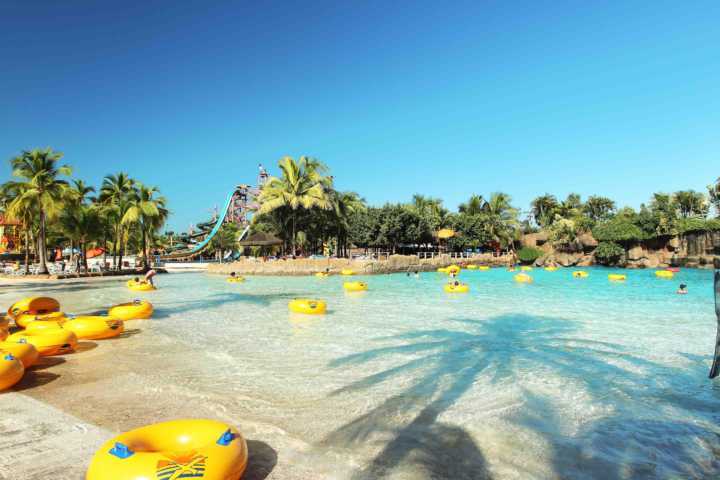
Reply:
x=682, y=290
x=149, y=276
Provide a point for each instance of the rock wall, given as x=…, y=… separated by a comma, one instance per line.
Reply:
x=393, y=264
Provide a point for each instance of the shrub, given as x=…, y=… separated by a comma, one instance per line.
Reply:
x=698, y=225
x=529, y=254
x=618, y=229
x=609, y=253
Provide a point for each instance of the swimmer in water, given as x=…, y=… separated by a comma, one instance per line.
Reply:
x=682, y=290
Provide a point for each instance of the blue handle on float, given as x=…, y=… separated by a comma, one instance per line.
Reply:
x=226, y=438
x=121, y=450
x=9, y=356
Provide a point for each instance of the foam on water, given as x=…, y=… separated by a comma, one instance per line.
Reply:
x=563, y=378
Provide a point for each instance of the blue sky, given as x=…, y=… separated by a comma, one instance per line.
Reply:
x=444, y=98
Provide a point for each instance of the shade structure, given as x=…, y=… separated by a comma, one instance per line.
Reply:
x=260, y=239
x=445, y=233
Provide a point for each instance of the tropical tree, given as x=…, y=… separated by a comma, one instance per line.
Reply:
x=571, y=207
x=226, y=238
x=345, y=206
x=301, y=186
x=21, y=208
x=40, y=189
x=543, y=209
x=691, y=203
x=474, y=205
x=82, y=224
x=115, y=196
x=598, y=208
x=146, y=210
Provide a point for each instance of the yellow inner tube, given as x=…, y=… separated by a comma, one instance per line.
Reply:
x=137, y=310
x=523, y=278
x=617, y=277
x=307, y=306
x=664, y=274
x=139, y=286
x=11, y=370
x=442, y=270
x=235, y=279
x=355, y=286
x=322, y=274
x=49, y=342
x=526, y=268
x=95, y=327
x=472, y=267
x=580, y=274
x=460, y=288
x=42, y=325
x=25, y=352
x=34, y=306
x=347, y=271
x=178, y=449
x=24, y=319
x=483, y=267
x=550, y=269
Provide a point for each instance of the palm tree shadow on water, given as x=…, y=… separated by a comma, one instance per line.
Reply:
x=446, y=363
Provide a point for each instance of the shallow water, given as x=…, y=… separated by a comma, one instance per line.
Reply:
x=565, y=378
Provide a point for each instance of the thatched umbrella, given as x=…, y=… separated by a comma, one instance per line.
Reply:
x=260, y=239
x=444, y=234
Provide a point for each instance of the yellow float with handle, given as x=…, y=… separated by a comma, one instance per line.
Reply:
x=523, y=278
x=664, y=274
x=452, y=269
x=442, y=270
x=24, y=319
x=483, y=268
x=355, y=286
x=580, y=274
x=23, y=351
x=49, y=342
x=135, y=310
x=472, y=267
x=95, y=327
x=42, y=325
x=235, y=279
x=175, y=450
x=140, y=286
x=307, y=306
x=11, y=371
x=322, y=274
x=551, y=269
x=347, y=271
x=33, y=306
x=526, y=268
x=617, y=277
x=459, y=288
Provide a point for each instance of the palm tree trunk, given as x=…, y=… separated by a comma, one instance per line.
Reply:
x=27, y=251
x=104, y=244
x=115, y=247
x=121, y=250
x=42, y=245
x=292, y=240
x=84, y=256
x=146, y=267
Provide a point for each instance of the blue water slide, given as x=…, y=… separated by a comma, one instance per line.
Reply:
x=217, y=226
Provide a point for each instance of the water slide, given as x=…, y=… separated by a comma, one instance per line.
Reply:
x=201, y=246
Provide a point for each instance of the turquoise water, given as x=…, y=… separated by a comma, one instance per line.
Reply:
x=564, y=378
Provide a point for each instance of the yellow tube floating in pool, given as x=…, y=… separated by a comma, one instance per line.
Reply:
x=136, y=310
x=617, y=277
x=95, y=327
x=23, y=351
x=235, y=279
x=523, y=278
x=526, y=268
x=355, y=286
x=307, y=306
x=24, y=319
x=483, y=267
x=460, y=288
x=141, y=286
x=34, y=306
x=580, y=274
x=347, y=271
x=551, y=269
x=472, y=267
x=179, y=449
x=442, y=270
x=322, y=274
x=664, y=274
x=49, y=342
x=11, y=370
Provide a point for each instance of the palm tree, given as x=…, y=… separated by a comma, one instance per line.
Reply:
x=300, y=186
x=570, y=207
x=20, y=208
x=502, y=221
x=691, y=203
x=598, y=208
x=345, y=205
x=543, y=209
x=79, y=191
x=82, y=224
x=474, y=205
x=40, y=190
x=114, y=194
x=148, y=211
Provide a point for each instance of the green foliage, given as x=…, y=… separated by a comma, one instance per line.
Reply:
x=609, y=253
x=698, y=225
x=619, y=229
x=598, y=209
x=563, y=231
x=691, y=203
x=529, y=254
